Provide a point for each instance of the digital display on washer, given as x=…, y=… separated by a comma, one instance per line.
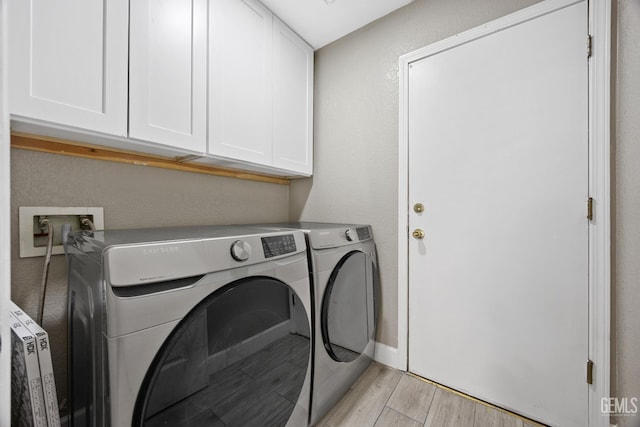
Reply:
x=278, y=245
x=363, y=233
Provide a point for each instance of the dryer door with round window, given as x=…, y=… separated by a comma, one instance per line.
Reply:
x=238, y=358
x=349, y=307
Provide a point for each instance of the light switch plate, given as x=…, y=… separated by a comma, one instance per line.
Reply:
x=28, y=226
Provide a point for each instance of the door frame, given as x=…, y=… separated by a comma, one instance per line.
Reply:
x=599, y=179
x=5, y=230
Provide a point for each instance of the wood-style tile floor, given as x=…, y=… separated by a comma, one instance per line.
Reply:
x=384, y=397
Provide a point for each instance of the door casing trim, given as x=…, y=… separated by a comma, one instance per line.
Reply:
x=600, y=15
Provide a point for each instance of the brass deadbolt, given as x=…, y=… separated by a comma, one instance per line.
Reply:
x=418, y=208
x=418, y=233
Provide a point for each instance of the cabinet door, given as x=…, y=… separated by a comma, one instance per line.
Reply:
x=292, y=101
x=240, y=66
x=68, y=62
x=167, y=72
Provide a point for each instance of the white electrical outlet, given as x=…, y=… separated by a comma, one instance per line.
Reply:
x=33, y=240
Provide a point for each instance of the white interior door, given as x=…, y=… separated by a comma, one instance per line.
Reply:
x=498, y=156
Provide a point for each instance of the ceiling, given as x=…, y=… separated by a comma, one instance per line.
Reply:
x=319, y=22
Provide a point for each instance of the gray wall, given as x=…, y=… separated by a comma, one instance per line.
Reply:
x=132, y=197
x=356, y=125
x=626, y=208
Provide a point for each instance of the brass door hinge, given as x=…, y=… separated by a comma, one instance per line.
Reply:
x=589, y=46
x=589, y=372
x=590, y=208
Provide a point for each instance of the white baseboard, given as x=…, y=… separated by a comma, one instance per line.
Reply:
x=386, y=355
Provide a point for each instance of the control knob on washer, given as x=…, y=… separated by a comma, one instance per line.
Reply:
x=348, y=234
x=240, y=250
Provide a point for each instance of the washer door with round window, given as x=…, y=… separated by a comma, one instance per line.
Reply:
x=349, y=307
x=239, y=358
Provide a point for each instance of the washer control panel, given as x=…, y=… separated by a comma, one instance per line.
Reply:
x=358, y=234
x=363, y=233
x=240, y=250
x=325, y=236
x=278, y=245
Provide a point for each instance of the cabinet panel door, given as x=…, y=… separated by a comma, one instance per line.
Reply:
x=240, y=99
x=292, y=101
x=68, y=62
x=167, y=72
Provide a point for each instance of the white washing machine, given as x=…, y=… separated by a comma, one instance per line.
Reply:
x=344, y=271
x=189, y=327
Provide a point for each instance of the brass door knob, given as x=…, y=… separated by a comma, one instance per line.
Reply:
x=418, y=208
x=418, y=233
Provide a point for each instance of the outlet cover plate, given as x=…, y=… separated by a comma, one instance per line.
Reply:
x=27, y=213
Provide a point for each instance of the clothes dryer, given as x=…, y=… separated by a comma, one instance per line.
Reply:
x=189, y=327
x=344, y=270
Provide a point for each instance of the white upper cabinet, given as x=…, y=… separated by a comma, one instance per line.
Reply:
x=292, y=101
x=168, y=73
x=222, y=79
x=240, y=96
x=68, y=62
x=261, y=88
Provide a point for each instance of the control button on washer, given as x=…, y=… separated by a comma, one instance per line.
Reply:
x=348, y=234
x=240, y=250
